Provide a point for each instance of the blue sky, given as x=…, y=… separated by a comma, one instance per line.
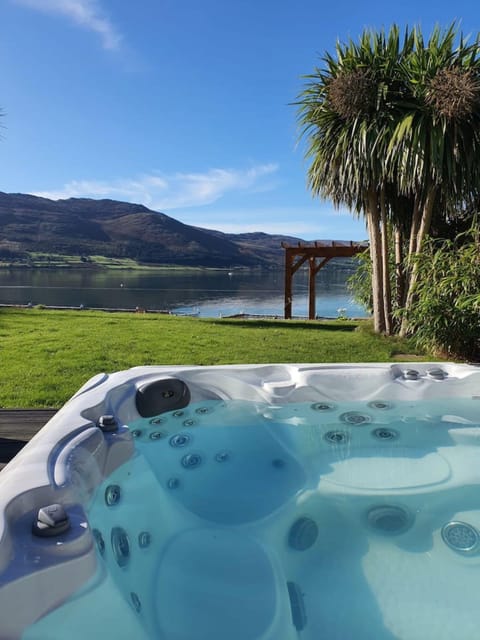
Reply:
x=181, y=105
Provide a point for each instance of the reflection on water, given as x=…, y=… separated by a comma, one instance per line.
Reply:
x=208, y=293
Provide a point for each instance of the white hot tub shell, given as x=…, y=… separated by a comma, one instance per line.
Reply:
x=251, y=503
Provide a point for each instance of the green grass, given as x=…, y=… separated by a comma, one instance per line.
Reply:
x=39, y=260
x=47, y=355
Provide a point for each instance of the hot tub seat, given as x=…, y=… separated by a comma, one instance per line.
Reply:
x=215, y=583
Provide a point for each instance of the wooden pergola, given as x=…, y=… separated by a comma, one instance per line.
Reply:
x=296, y=256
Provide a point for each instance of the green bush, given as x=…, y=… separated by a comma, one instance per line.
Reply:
x=360, y=282
x=445, y=317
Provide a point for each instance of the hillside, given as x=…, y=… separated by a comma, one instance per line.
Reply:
x=80, y=226
x=86, y=227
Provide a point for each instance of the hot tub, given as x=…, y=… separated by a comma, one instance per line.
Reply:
x=265, y=502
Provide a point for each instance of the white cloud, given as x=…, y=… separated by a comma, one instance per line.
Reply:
x=85, y=13
x=165, y=192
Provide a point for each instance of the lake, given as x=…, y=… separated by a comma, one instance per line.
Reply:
x=207, y=293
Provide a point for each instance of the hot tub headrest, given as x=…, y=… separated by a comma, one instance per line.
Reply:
x=167, y=394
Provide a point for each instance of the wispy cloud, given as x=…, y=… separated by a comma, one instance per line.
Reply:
x=165, y=192
x=85, y=13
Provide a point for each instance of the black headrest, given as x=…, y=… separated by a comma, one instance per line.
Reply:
x=160, y=396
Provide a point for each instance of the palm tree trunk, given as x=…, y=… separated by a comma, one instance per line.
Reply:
x=416, y=220
x=423, y=229
x=387, y=291
x=399, y=268
x=426, y=220
x=373, y=222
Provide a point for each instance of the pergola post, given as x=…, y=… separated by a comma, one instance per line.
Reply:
x=288, y=284
x=312, y=272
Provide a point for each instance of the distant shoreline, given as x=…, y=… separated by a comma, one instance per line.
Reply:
x=114, y=266
x=140, y=310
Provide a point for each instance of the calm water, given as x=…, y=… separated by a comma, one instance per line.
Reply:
x=208, y=293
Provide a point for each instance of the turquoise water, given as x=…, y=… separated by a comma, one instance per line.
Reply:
x=245, y=520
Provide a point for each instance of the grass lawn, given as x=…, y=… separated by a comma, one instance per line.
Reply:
x=47, y=355
x=39, y=260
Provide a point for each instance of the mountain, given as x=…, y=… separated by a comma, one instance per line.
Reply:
x=86, y=227
x=83, y=227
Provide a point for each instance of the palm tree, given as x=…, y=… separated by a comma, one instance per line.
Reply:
x=393, y=133
x=434, y=150
x=347, y=112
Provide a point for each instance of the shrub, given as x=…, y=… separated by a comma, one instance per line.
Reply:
x=360, y=282
x=445, y=317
